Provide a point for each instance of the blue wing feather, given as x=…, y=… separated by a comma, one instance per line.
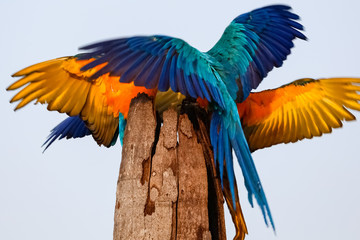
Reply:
x=190, y=87
x=164, y=77
x=253, y=44
x=154, y=74
x=140, y=80
x=205, y=90
x=173, y=75
x=158, y=56
x=75, y=127
x=71, y=127
x=134, y=70
x=197, y=87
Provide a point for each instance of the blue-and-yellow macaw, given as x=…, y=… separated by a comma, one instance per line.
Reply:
x=95, y=89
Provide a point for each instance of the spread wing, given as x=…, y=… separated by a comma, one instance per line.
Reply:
x=67, y=89
x=302, y=109
x=253, y=44
x=157, y=62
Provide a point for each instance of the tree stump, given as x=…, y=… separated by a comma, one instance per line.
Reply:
x=167, y=186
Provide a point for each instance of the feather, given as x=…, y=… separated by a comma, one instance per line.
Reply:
x=256, y=41
x=301, y=109
x=71, y=127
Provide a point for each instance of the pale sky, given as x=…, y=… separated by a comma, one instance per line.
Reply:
x=69, y=192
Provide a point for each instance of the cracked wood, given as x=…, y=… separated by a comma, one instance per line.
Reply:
x=162, y=190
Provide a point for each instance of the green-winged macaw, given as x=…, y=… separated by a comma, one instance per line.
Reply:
x=96, y=86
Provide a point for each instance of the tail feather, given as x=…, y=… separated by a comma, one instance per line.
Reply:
x=225, y=136
x=221, y=155
x=251, y=176
x=229, y=165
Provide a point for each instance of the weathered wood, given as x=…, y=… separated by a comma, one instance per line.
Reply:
x=160, y=210
x=200, y=120
x=163, y=188
x=132, y=187
x=192, y=214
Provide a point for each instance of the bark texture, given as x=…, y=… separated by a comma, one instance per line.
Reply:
x=167, y=186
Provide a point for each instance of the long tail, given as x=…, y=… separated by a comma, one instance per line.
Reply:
x=226, y=135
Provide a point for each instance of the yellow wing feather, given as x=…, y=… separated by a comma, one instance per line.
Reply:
x=301, y=109
x=66, y=89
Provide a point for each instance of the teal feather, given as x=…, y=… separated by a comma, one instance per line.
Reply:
x=122, y=125
x=252, y=45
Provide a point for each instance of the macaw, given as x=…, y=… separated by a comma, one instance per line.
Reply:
x=96, y=86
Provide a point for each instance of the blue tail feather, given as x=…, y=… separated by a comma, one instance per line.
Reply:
x=221, y=154
x=223, y=141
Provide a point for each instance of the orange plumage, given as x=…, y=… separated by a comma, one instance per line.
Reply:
x=65, y=88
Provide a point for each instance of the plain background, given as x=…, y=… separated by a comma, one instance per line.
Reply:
x=69, y=192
